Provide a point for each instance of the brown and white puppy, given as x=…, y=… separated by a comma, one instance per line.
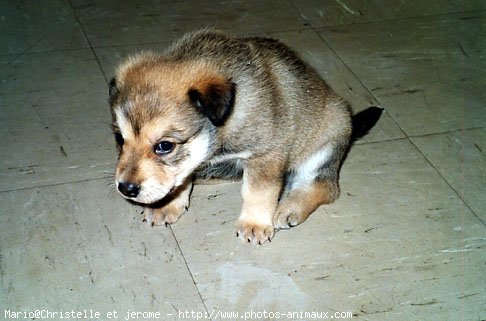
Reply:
x=214, y=105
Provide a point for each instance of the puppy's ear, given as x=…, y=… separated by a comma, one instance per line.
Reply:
x=113, y=91
x=214, y=98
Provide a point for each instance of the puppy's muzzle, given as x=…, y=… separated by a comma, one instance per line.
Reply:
x=129, y=189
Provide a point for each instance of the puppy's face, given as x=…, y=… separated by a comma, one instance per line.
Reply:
x=164, y=119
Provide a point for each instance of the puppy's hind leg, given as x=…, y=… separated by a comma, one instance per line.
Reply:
x=312, y=184
x=301, y=202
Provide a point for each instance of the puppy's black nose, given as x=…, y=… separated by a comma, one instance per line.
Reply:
x=128, y=189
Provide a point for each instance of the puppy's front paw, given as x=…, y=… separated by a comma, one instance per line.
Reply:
x=253, y=232
x=166, y=215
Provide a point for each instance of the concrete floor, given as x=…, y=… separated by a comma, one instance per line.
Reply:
x=405, y=241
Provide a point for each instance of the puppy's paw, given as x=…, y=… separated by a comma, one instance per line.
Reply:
x=166, y=215
x=253, y=232
x=287, y=217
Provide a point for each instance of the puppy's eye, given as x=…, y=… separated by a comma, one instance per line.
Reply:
x=164, y=147
x=119, y=139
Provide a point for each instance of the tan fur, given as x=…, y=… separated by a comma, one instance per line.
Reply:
x=247, y=103
x=296, y=207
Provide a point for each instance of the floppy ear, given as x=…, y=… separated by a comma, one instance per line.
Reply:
x=214, y=98
x=112, y=91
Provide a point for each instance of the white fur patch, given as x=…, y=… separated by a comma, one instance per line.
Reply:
x=123, y=124
x=151, y=191
x=199, y=149
x=226, y=157
x=307, y=171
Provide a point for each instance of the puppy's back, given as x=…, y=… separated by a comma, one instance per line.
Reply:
x=273, y=83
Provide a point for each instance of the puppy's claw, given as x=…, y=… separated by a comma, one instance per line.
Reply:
x=166, y=215
x=254, y=233
x=287, y=218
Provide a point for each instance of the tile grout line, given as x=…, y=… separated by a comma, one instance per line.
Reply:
x=461, y=58
x=407, y=137
x=458, y=193
x=404, y=19
x=23, y=53
x=308, y=26
x=40, y=52
x=55, y=184
x=463, y=243
x=88, y=41
x=190, y=272
x=16, y=55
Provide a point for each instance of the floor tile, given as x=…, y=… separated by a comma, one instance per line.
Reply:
x=460, y=158
x=397, y=227
x=46, y=157
x=62, y=72
x=55, y=120
x=427, y=73
x=80, y=246
x=330, y=13
x=32, y=26
x=19, y=113
x=153, y=21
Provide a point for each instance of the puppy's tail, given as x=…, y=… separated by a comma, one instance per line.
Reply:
x=364, y=121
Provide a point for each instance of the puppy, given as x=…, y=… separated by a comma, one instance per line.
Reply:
x=214, y=105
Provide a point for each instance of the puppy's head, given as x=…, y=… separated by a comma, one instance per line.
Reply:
x=165, y=119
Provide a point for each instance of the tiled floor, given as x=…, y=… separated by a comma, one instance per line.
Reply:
x=406, y=240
